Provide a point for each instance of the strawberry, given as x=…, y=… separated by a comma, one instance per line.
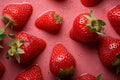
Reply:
x=109, y=52
x=87, y=76
x=25, y=47
x=62, y=63
x=32, y=73
x=86, y=28
x=114, y=18
x=16, y=15
x=90, y=3
x=49, y=21
x=2, y=69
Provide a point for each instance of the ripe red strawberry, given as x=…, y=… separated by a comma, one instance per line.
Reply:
x=90, y=3
x=86, y=28
x=114, y=18
x=16, y=15
x=62, y=63
x=2, y=69
x=87, y=76
x=32, y=73
x=109, y=52
x=25, y=47
x=49, y=21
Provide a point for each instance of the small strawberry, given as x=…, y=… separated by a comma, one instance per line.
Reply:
x=62, y=63
x=109, y=52
x=90, y=3
x=86, y=28
x=25, y=47
x=2, y=69
x=16, y=15
x=87, y=76
x=114, y=18
x=49, y=21
x=32, y=73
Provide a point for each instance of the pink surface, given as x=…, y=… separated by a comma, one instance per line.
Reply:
x=86, y=55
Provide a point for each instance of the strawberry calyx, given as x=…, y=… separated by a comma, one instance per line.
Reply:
x=64, y=74
x=99, y=77
x=94, y=24
x=15, y=49
x=117, y=63
x=58, y=18
x=7, y=20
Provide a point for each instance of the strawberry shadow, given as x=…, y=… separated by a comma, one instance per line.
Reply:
x=90, y=46
x=22, y=65
x=53, y=32
x=60, y=1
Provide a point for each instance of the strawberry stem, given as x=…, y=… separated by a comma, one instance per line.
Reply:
x=8, y=24
x=2, y=32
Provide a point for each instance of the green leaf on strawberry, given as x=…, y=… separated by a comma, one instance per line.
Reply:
x=15, y=49
x=99, y=77
x=101, y=23
x=65, y=73
x=94, y=24
x=1, y=46
x=62, y=72
x=2, y=36
x=117, y=62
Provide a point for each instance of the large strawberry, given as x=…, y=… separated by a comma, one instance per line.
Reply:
x=62, y=63
x=32, y=73
x=49, y=21
x=90, y=3
x=109, y=52
x=2, y=69
x=87, y=76
x=16, y=15
x=25, y=47
x=86, y=28
x=114, y=18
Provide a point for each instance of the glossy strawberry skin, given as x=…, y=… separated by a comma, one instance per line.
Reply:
x=80, y=32
x=108, y=48
x=114, y=18
x=32, y=46
x=18, y=13
x=47, y=21
x=61, y=59
x=2, y=69
x=90, y=3
x=32, y=73
x=86, y=77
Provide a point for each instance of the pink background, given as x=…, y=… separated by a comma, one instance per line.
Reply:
x=87, y=60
